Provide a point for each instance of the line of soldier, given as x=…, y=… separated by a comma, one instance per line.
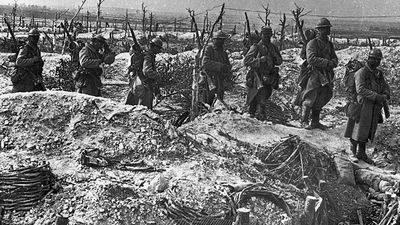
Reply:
x=316, y=78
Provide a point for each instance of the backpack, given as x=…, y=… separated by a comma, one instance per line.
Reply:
x=349, y=83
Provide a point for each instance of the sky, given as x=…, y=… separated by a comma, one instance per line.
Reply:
x=323, y=7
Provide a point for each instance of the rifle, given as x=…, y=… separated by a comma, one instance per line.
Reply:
x=133, y=35
x=67, y=33
x=248, y=28
x=12, y=36
x=386, y=109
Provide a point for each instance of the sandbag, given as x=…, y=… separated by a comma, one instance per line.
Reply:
x=345, y=171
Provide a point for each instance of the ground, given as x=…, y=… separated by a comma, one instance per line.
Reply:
x=194, y=162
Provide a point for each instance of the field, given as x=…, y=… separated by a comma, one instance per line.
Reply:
x=159, y=167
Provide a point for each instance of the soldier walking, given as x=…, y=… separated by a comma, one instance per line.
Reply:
x=88, y=77
x=29, y=66
x=216, y=69
x=135, y=75
x=145, y=76
x=263, y=76
x=365, y=106
x=321, y=59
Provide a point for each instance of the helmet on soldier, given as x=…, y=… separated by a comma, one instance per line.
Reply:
x=33, y=33
x=375, y=53
x=157, y=42
x=99, y=38
x=323, y=22
x=266, y=30
x=220, y=35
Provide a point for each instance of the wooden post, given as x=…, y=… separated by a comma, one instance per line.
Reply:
x=175, y=25
x=242, y=217
x=220, y=25
x=87, y=20
x=126, y=23
x=151, y=23
x=144, y=19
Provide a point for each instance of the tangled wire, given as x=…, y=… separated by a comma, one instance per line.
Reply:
x=294, y=161
x=23, y=188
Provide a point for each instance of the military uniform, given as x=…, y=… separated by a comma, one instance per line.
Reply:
x=88, y=79
x=28, y=75
x=216, y=68
x=135, y=73
x=369, y=84
x=263, y=76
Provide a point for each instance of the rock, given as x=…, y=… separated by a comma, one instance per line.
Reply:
x=158, y=184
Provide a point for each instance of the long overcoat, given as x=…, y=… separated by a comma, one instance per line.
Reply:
x=369, y=83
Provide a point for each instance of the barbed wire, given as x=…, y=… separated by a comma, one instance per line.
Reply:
x=317, y=15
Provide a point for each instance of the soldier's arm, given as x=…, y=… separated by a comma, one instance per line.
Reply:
x=312, y=58
x=361, y=86
x=277, y=56
x=136, y=60
x=148, y=70
x=22, y=58
x=210, y=64
x=251, y=58
x=86, y=61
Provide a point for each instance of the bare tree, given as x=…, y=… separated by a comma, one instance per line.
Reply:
x=266, y=22
x=283, y=28
x=144, y=18
x=98, y=25
x=151, y=23
x=76, y=14
x=14, y=14
x=297, y=14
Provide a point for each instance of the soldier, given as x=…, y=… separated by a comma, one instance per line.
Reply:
x=29, y=66
x=263, y=76
x=321, y=59
x=88, y=77
x=135, y=73
x=144, y=87
x=216, y=68
x=370, y=95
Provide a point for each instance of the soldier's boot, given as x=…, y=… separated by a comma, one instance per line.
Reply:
x=263, y=112
x=252, y=110
x=305, y=116
x=361, y=153
x=315, y=124
x=353, y=149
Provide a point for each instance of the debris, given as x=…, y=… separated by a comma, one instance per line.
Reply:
x=24, y=187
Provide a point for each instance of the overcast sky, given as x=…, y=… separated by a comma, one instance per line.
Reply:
x=325, y=7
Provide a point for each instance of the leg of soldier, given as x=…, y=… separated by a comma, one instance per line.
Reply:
x=353, y=149
x=305, y=116
x=268, y=92
x=253, y=107
x=361, y=153
x=147, y=99
x=261, y=103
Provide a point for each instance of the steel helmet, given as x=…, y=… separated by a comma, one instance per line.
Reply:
x=99, y=38
x=375, y=53
x=220, y=35
x=323, y=22
x=33, y=32
x=266, y=30
x=157, y=42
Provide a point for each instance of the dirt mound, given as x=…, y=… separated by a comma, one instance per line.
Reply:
x=57, y=126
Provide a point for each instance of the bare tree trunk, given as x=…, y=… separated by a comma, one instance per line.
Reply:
x=151, y=23
x=98, y=22
x=144, y=19
x=283, y=27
